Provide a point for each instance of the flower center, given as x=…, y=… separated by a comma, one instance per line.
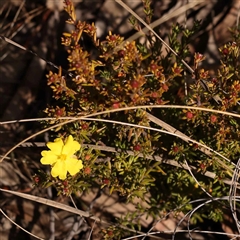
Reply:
x=63, y=157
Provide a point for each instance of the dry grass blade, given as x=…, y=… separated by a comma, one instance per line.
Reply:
x=157, y=121
x=49, y=203
x=150, y=29
x=6, y=216
x=184, y=137
x=35, y=54
x=15, y=17
x=165, y=18
x=64, y=207
x=174, y=132
x=129, y=108
x=233, y=194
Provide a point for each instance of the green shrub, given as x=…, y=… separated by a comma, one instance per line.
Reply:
x=137, y=158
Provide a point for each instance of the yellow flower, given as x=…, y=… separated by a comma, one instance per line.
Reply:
x=61, y=157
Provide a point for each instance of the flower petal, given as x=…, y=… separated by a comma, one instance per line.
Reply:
x=48, y=157
x=73, y=165
x=70, y=146
x=59, y=170
x=56, y=146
